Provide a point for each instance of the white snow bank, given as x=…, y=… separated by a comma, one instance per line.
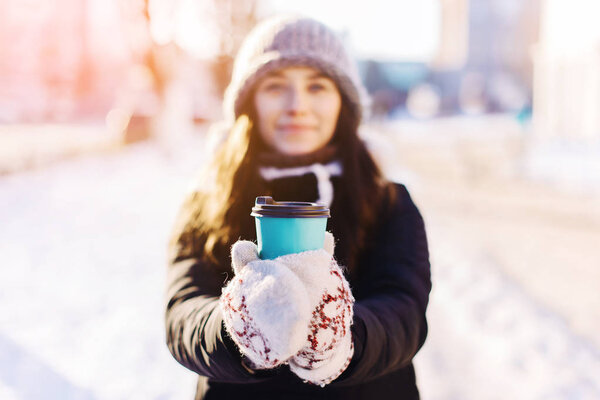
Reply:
x=572, y=166
x=82, y=283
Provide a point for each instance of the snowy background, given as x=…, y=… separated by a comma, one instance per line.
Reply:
x=514, y=309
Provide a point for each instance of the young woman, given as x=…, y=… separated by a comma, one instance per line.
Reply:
x=307, y=325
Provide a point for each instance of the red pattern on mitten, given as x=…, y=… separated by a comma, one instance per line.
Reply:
x=246, y=333
x=328, y=347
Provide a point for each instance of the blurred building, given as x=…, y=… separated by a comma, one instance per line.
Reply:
x=496, y=75
x=499, y=66
x=454, y=35
x=567, y=73
x=57, y=62
x=483, y=63
x=41, y=57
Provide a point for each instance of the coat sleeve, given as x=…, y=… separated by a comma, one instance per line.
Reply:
x=195, y=333
x=389, y=314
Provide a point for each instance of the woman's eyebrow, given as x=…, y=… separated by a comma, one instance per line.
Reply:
x=274, y=74
x=318, y=75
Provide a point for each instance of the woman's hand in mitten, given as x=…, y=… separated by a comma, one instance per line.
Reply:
x=266, y=308
x=328, y=348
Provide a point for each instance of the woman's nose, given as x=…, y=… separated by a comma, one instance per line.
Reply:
x=296, y=101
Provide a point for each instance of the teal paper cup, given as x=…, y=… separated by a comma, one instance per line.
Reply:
x=285, y=227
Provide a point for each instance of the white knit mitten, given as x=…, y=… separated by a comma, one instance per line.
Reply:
x=328, y=347
x=266, y=308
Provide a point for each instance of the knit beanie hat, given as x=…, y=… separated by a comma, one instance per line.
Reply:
x=285, y=41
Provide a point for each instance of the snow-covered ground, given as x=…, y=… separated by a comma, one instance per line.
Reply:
x=573, y=166
x=81, y=299
x=82, y=285
x=492, y=339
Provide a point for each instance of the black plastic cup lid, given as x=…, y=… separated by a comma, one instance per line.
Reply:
x=265, y=206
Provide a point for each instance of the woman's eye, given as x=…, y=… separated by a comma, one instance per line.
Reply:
x=273, y=87
x=316, y=87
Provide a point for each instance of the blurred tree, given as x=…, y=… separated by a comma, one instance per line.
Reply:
x=85, y=70
x=145, y=57
x=234, y=20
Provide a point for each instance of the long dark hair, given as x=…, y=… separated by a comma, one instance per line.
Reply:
x=217, y=215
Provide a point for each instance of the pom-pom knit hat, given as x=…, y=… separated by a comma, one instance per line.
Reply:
x=292, y=41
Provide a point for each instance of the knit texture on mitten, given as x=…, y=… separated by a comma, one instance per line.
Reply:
x=297, y=308
x=265, y=308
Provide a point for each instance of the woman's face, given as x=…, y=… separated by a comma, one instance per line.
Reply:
x=297, y=109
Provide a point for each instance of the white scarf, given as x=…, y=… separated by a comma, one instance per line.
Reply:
x=323, y=173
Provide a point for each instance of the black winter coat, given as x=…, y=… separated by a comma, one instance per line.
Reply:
x=391, y=292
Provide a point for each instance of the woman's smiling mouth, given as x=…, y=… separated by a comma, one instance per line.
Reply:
x=295, y=128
